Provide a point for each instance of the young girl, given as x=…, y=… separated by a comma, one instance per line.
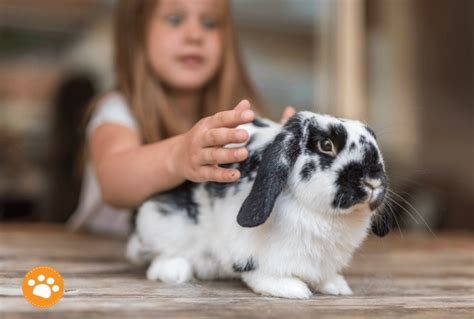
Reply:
x=178, y=77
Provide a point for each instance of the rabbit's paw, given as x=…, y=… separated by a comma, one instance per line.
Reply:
x=285, y=287
x=335, y=285
x=136, y=252
x=173, y=270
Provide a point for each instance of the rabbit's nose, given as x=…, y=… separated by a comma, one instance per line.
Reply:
x=372, y=183
x=376, y=191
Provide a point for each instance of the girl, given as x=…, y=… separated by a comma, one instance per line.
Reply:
x=176, y=63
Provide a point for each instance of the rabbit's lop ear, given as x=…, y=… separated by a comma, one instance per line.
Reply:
x=272, y=175
x=382, y=222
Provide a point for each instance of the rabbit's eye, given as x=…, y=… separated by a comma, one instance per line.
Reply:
x=326, y=146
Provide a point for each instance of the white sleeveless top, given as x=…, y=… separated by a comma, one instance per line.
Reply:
x=93, y=214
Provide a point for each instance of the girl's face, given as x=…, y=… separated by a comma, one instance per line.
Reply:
x=184, y=45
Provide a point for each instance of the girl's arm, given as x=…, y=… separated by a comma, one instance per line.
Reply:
x=128, y=172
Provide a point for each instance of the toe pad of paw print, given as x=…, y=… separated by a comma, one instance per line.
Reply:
x=43, y=286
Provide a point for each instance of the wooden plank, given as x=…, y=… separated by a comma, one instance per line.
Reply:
x=414, y=276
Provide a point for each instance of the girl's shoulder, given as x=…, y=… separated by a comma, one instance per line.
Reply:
x=112, y=108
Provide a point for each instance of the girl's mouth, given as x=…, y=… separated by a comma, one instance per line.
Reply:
x=191, y=60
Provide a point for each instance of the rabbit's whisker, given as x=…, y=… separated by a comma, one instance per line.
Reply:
x=402, y=207
x=414, y=209
x=390, y=209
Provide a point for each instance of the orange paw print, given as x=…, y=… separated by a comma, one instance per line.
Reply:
x=43, y=286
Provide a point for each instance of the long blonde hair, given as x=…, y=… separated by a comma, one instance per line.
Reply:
x=147, y=98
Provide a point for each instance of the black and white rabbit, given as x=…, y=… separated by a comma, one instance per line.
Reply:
x=308, y=194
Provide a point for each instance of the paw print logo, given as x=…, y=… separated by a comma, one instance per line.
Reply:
x=43, y=286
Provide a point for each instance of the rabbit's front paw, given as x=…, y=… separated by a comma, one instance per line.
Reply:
x=335, y=285
x=285, y=287
x=175, y=270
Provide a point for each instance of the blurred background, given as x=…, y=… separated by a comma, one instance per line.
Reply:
x=403, y=66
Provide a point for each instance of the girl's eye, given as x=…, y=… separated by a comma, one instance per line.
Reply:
x=326, y=146
x=174, y=20
x=209, y=23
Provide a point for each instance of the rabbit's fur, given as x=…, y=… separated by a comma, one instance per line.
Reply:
x=287, y=227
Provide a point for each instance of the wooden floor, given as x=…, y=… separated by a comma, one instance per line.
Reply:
x=409, y=276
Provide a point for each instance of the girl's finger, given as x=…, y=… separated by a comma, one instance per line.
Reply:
x=219, y=155
x=243, y=105
x=230, y=118
x=215, y=173
x=287, y=113
x=222, y=136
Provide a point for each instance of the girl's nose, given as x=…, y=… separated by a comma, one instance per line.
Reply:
x=194, y=32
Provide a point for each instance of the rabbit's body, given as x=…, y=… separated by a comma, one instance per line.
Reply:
x=191, y=231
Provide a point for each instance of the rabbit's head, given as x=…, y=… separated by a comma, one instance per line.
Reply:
x=328, y=164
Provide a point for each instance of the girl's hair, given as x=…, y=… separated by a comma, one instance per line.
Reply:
x=144, y=93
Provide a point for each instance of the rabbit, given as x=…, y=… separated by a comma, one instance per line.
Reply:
x=309, y=192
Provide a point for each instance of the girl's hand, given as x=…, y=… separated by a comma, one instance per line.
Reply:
x=287, y=113
x=201, y=149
